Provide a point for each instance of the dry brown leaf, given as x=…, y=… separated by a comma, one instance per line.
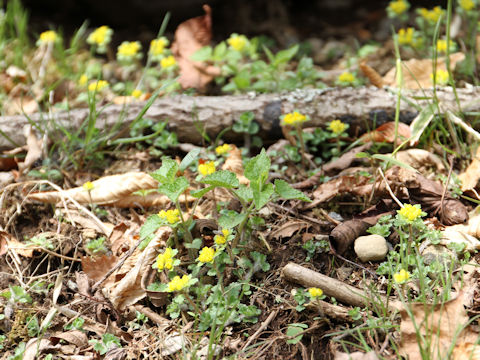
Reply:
x=191, y=36
x=76, y=337
x=442, y=324
x=8, y=242
x=470, y=177
x=344, y=234
x=35, y=347
x=234, y=163
x=386, y=133
x=422, y=160
x=97, y=267
x=78, y=217
x=288, y=229
x=34, y=149
x=372, y=75
x=416, y=73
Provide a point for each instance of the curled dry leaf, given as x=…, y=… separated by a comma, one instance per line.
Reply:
x=288, y=229
x=386, y=133
x=234, y=164
x=8, y=242
x=96, y=267
x=34, y=149
x=422, y=160
x=371, y=74
x=416, y=73
x=343, y=235
x=470, y=177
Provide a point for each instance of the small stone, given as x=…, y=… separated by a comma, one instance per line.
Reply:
x=371, y=248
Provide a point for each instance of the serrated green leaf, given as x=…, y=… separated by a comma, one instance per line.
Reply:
x=244, y=193
x=392, y=160
x=257, y=168
x=189, y=158
x=230, y=219
x=285, y=191
x=199, y=193
x=223, y=178
x=150, y=225
x=167, y=172
x=175, y=189
x=261, y=197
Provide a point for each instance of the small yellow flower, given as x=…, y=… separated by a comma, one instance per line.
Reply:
x=88, y=186
x=168, y=61
x=401, y=277
x=178, y=283
x=405, y=36
x=83, y=80
x=129, y=49
x=294, y=118
x=433, y=15
x=157, y=46
x=101, y=36
x=410, y=212
x=346, y=77
x=206, y=255
x=467, y=5
x=206, y=168
x=315, y=292
x=98, y=85
x=222, y=149
x=46, y=37
x=237, y=42
x=398, y=6
x=337, y=127
x=441, y=77
x=442, y=45
x=137, y=93
x=165, y=260
x=172, y=216
x=222, y=239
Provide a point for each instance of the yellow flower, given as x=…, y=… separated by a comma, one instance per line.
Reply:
x=178, y=283
x=46, y=37
x=157, y=46
x=442, y=45
x=129, y=49
x=405, y=36
x=206, y=168
x=83, y=80
x=401, y=277
x=441, y=77
x=398, y=6
x=206, y=255
x=222, y=149
x=97, y=85
x=137, y=93
x=346, y=77
x=237, y=42
x=315, y=292
x=294, y=118
x=88, y=186
x=172, y=216
x=222, y=239
x=466, y=5
x=165, y=260
x=410, y=212
x=168, y=61
x=433, y=15
x=100, y=36
x=337, y=127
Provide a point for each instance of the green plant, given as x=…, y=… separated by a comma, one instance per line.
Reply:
x=108, y=342
x=41, y=241
x=246, y=125
x=19, y=351
x=97, y=246
x=312, y=247
x=76, y=324
x=17, y=294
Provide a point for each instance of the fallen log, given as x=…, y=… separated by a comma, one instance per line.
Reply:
x=359, y=107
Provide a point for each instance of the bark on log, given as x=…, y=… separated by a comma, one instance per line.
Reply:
x=358, y=107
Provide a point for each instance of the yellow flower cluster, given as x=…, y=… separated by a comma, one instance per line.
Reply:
x=88, y=186
x=136, y=93
x=401, y=277
x=237, y=42
x=466, y=5
x=206, y=168
x=405, y=36
x=206, y=255
x=441, y=77
x=157, y=46
x=165, y=260
x=100, y=36
x=442, y=45
x=46, y=37
x=129, y=49
x=294, y=118
x=398, y=6
x=172, y=216
x=315, y=292
x=83, y=80
x=178, y=283
x=222, y=149
x=222, y=239
x=168, y=62
x=410, y=212
x=433, y=15
x=337, y=127
x=98, y=85
x=346, y=77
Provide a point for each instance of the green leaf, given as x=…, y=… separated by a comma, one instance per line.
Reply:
x=244, y=193
x=220, y=51
x=223, y=178
x=230, y=219
x=389, y=159
x=420, y=123
x=203, y=54
x=261, y=197
x=195, y=244
x=362, y=155
x=150, y=225
x=189, y=158
x=294, y=329
x=286, y=55
x=167, y=172
x=242, y=81
x=258, y=167
x=285, y=191
x=199, y=193
x=175, y=189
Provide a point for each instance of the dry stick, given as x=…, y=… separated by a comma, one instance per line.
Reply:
x=262, y=327
x=331, y=310
x=305, y=217
x=389, y=189
x=152, y=315
x=55, y=254
x=343, y=292
x=445, y=189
